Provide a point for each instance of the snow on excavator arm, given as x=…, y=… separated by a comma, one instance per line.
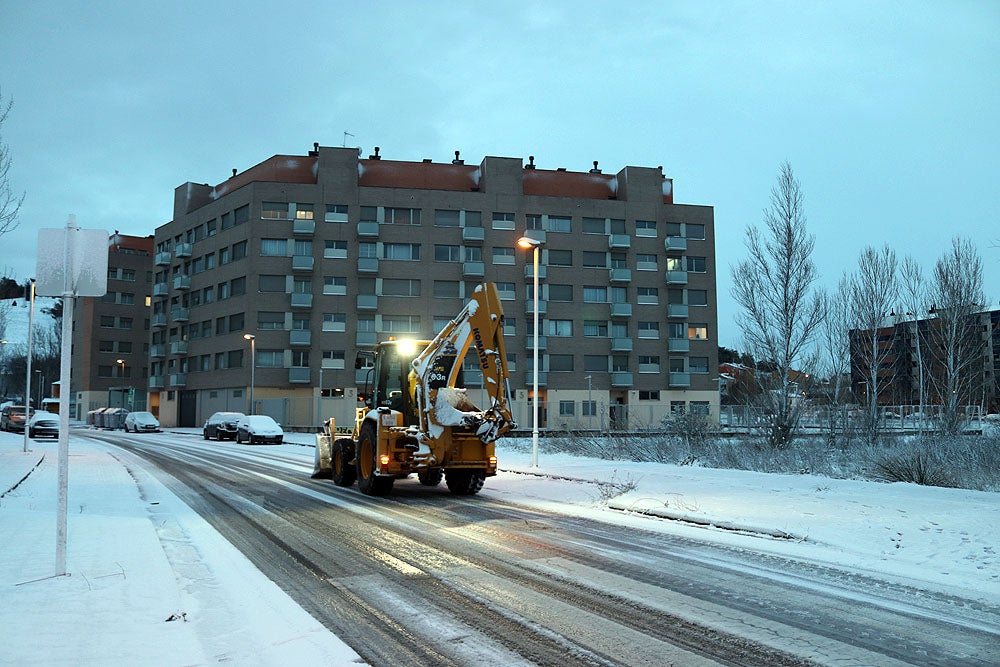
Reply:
x=435, y=372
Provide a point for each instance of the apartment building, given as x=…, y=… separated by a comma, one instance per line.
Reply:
x=111, y=333
x=271, y=281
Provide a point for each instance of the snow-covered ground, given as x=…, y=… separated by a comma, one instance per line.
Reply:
x=138, y=556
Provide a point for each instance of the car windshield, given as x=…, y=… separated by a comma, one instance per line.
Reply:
x=143, y=416
x=261, y=420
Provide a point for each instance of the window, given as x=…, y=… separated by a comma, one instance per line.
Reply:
x=303, y=248
x=560, y=258
x=336, y=249
x=208, y=295
x=333, y=359
x=596, y=363
x=676, y=330
x=697, y=331
x=647, y=296
x=649, y=329
x=509, y=326
x=401, y=324
x=303, y=211
x=227, y=220
x=369, y=214
x=300, y=322
x=271, y=283
x=234, y=359
x=440, y=323
x=404, y=251
x=595, y=329
x=225, y=256
x=696, y=264
x=593, y=226
x=241, y=215
x=210, y=261
x=239, y=250
x=334, y=321
x=649, y=364
x=699, y=407
x=336, y=213
x=447, y=253
x=533, y=221
x=560, y=223
x=506, y=291
x=128, y=274
x=561, y=293
x=400, y=287
x=559, y=327
x=503, y=255
x=697, y=297
x=447, y=289
x=238, y=286
x=402, y=216
x=560, y=363
x=368, y=250
x=645, y=262
x=335, y=285
x=698, y=364
x=619, y=363
x=619, y=330
x=566, y=408
x=211, y=228
x=645, y=228
x=104, y=346
x=272, y=210
x=237, y=322
x=366, y=325
x=104, y=371
x=675, y=264
x=696, y=232
x=503, y=220
x=619, y=260
x=595, y=294
x=270, y=320
x=270, y=359
x=595, y=260
x=674, y=229
x=300, y=358
x=446, y=218
x=473, y=253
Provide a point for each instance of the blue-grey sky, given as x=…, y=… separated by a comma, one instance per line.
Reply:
x=889, y=112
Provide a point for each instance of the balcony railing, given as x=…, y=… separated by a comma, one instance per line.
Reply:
x=156, y=382
x=162, y=259
x=621, y=345
x=161, y=289
x=678, y=345
x=367, y=302
x=675, y=244
x=367, y=265
x=158, y=320
x=542, y=378
x=677, y=310
x=304, y=227
x=677, y=277
x=299, y=337
x=620, y=310
x=298, y=375
x=680, y=379
x=529, y=342
x=473, y=269
x=620, y=275
x=368, y=230
x=179, y=347
x=182, y=282
x=157, y=351
x=180, y=314
x=529, y=271
x=303, y=262
x=366, y=338
x=473, y=234
x=182, y=250
x=301, y=300
x=178, y=379
x=529, y=307
x=619, y=241
x=621, y=380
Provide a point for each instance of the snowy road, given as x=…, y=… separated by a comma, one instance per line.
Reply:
x=424, y=577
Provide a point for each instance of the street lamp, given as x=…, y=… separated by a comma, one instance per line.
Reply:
x=590, y=404
x=121, y=362
x=27, y=374
x=253, y=365
x=528, y=243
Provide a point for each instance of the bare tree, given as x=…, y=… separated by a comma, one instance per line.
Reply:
x=913, y=296
x=835, y=351
x=873, y=297
x=957, y=346
x=774, y=286
x=10, y=203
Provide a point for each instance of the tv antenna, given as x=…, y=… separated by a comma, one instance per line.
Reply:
x=346, y=134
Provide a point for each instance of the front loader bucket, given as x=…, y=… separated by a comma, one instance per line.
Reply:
x=322, y=463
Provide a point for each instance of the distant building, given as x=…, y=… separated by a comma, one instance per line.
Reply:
x=317, y=256
x=112, y=328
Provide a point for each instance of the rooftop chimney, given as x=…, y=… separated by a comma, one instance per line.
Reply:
x=456, y=160
x=234, y=172
x=595, y=170
x=531, y=162
x=376, y=156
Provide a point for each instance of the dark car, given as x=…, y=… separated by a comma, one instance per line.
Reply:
x=44, y=424
x=12, y=418
x=221, y=426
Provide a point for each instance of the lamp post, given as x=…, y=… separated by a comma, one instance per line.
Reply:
x=319, y=399
x=27, y=375
x=121, y=362
x=253, y=366
x=41, y=382
x=526, y=243
x=590, y=405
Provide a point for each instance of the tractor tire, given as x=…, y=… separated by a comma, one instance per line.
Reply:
x=464, y=482
x=431, y=477
x=341, y=454
x=369, y=483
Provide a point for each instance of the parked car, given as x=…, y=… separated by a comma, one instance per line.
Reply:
x=144, y=422
x=259, y=428
x=43, y=424
x=221, y=426
x=12, y=418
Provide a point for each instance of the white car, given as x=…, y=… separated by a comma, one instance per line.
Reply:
x=144, y=422
x=258, y=428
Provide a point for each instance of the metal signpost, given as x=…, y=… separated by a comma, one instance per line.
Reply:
x=71, y=262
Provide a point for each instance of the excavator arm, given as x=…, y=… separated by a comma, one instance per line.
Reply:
x=435, y=372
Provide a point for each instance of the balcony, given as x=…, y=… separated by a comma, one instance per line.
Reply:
x=620, y=275
x=529, y=378
x=529, y=342
x=680, y=379
x=677, y=278
x=366, y=339
x=621, y=344
x=675, y=244
x=529, y=307
x=304, y=227
x=368, y=230
x=179, y=347
x=367, y=265
x=619, y=241
x=178, y=379
x=678, y=345
x=301, y=300
x=180, y=314
x=677, y=311
x=473, y=234
x=161, y=289
x=298, y=375
x=156, y=382
x=182, y=282
x=183, y=250
x=529, y=271
x=157, y=351
x=303, y=262
x=299, y=337
x=621, y=310
x=162, y=259
x=473, y=269
x=367, y=302
x=158, y=320
x=621, y=380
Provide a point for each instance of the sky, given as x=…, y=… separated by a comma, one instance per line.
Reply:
x=887, y=112
x=137, y=555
